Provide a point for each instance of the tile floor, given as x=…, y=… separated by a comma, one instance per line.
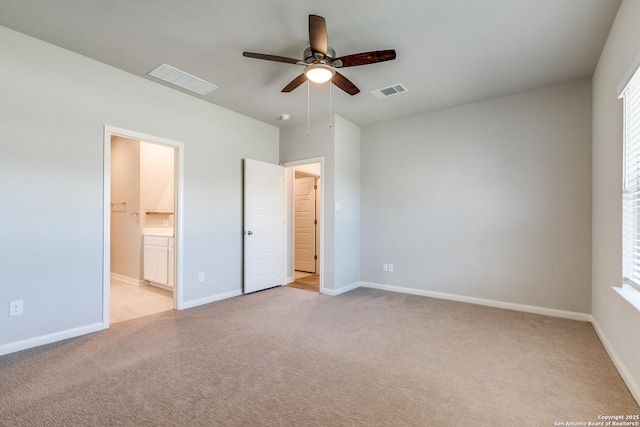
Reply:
x=130, y=301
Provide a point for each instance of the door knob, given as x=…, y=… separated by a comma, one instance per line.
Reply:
x=249, y=233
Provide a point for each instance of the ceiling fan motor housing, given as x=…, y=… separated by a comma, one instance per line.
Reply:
x=310, y=57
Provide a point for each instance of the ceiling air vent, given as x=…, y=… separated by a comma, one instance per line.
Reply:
x=389, y=91
x=184, y=80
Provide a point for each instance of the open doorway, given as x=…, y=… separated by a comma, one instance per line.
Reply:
x=142, y=194
x=305, y=224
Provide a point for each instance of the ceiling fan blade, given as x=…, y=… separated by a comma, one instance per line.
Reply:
x=318, y=34
x=295, y=83
x=365, y=58
x=270, y=57
x=345, y=84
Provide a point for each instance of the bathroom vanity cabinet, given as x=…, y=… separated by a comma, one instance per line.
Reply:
x=159, y=260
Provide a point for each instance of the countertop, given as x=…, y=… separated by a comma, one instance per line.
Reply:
x=158, y=231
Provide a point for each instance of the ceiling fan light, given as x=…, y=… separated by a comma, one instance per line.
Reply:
x=319, y=73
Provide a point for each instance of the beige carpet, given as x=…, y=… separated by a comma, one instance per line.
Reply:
x=288, y=357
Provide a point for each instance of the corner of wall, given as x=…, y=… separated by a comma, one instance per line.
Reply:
x=615, y=321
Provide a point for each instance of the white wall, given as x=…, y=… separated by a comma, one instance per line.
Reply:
x=339, y=178
x=490, y=200
x=126, y=237
x=157, y=164
x=54, y=105
x=295, y=144
x=347, y=194
x=617, y=321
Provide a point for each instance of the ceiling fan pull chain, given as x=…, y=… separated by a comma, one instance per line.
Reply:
x=308, y=107
x=330, y=105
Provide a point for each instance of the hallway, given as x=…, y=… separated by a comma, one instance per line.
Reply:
x=306, y=281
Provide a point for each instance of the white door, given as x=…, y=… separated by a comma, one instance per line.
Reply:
x=304, y=224
x=263, y=226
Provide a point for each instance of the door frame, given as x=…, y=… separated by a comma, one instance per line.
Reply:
x=289, y=181
x=110, y=131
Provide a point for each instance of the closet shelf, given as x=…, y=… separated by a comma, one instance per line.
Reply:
x=159, y=213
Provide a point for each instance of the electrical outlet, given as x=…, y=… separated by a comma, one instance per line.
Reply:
x=605, y=305
x=201, y=276
x=385, y=267
x=15, y=308
x=391, y=268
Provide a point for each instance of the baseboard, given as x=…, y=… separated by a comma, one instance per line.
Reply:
x=585, y=317
x=50, y=338
x=210, y=299
x=633, y=386
x=126, y=279
x=342, y=290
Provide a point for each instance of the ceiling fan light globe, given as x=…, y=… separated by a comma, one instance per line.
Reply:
x=319, y=73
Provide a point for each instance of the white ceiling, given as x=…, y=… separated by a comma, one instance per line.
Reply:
x=449, y=52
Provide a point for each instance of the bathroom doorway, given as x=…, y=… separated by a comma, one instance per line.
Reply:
x=143, y=226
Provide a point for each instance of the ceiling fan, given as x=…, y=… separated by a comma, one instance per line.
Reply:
x=320, y=60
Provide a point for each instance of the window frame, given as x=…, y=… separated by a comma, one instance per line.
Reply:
x=630, y=96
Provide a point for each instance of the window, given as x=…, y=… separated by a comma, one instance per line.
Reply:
x=631, y=183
